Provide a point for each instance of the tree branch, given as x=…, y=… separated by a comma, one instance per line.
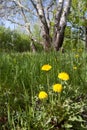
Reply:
x=47, y=12
x=23, y=7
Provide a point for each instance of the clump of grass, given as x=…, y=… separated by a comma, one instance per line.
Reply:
x=22, y=79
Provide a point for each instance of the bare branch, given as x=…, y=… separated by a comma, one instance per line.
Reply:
x=12, y=21
x=23, y=7
x=20, y=5
x=59, y=13
x=47, y=12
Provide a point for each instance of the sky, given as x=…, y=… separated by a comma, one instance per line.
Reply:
x=7, y=24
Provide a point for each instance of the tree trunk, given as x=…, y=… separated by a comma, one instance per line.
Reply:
x=59, y=38
x=86, y=37
x=46, y=38
x=61, y=25
x=45, y=29
x=32, y=46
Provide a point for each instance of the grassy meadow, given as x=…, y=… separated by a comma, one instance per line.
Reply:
x=22, y=80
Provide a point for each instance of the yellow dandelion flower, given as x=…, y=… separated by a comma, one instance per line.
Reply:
x=42, y=95
x=63, y=76
x=57, y=88
x=74, y=67
x=46, y=67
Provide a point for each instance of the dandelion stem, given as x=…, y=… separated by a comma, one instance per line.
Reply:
x=47, y=81
x=59, y=98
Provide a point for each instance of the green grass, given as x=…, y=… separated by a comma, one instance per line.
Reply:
x=21, y=79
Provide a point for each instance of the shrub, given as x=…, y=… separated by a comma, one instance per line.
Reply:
x=12, y=40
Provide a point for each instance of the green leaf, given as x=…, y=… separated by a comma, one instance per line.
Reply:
x=76, y=118
x=68, y=125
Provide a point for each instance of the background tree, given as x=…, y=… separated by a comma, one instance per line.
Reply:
x=77, y=20
x=50, y=15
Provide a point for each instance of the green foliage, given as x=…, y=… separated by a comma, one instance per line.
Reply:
x=77, y=21
x=37, y=32
x=78, y=11
x=15, y=41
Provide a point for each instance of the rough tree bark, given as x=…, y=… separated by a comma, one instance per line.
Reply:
x=60, y=23
x=45, y=29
